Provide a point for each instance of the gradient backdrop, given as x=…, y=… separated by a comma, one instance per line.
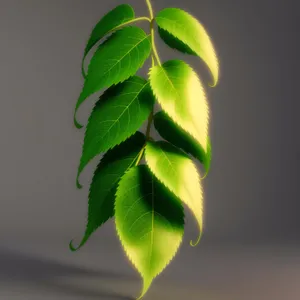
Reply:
x=252, y=195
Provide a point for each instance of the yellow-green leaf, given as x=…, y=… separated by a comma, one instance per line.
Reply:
x=181, y=95
x=192, y=33
x=149, y=222
x=178, y=173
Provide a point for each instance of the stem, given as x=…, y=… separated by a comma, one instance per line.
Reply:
x=150, y=9
x=156, y=57
x=132, y=21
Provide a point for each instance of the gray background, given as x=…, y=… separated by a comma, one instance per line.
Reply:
x=252, y=224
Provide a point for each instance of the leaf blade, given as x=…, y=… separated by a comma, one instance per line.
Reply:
x=114, y=112
x=192, y=33
x=148, y=217
x=109, y=171
x=178, y=173
x=175, y=135
x=114, y=18
x=117, y=59
x=181, y=95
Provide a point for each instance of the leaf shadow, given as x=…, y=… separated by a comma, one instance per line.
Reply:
x=17, y=267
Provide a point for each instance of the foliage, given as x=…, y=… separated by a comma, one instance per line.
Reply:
x=146, y=197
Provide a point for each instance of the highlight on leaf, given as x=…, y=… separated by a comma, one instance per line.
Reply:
x=118, y=114
x=120, y=15
x=190, y=32
x=181, y=95
x=149, y=221
x=109, y=171
x=177, y=172
x=172, y=133
x=117, y=59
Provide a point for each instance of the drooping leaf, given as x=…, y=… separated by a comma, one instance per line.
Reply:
x=103, y=188
x=178, y=173
x=181, y=95
x=191, y=32
x=149, y=222
x=174, y=43
x=171, y=132
x=118, y=58
x=116, y=17
x=118, y=114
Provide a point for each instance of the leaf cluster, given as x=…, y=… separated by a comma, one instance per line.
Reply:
x=146, y=197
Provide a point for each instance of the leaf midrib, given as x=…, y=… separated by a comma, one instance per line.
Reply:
x=127, y=53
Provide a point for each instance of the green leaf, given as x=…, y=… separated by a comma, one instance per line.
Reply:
x=103, y=188
x=118, y=114
x=181, y=139
x=174, y=43
x=149, y=222
x=191, y=32
x=120, y=15
x=118, y=58
x=178, y=173
x=181, y=95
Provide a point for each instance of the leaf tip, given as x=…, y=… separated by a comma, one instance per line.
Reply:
x=194, y=244
x=78, y=125
x=78, y=185
x=71, y=247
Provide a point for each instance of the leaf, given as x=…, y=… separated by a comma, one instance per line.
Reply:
x=186, y=28
x=103, y=188
x=149, y=222
x=174, y=43
x=181, y=95
x=118, y=114
x=118, y=58
x=178, y=173
x=116, y=17
x=181, y=139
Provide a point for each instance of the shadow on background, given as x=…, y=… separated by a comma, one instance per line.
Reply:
x=17, y=267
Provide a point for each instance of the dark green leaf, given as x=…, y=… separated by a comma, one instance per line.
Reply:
x=104, y=183
x=116, y=17
x=174, y=134
x=149, y=221
x=118, y=58
x=118, y=114
x=174, y=42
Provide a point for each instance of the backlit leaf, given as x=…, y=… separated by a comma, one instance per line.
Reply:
x=191, y=32
x=103, y=188
x=118, y=114
x=116, y=17
x=178, y=173
x=181, y=139
x=181, y=95
x=118, y=58
x=149, y=221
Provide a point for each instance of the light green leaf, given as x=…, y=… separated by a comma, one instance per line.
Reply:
x=181, y=139
x=103, y=188
x=149, y=222
x=178, y=173
x=118, y=58
x=191, y=32
x=118, y=114
x=181, y=95
x=120, y=15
